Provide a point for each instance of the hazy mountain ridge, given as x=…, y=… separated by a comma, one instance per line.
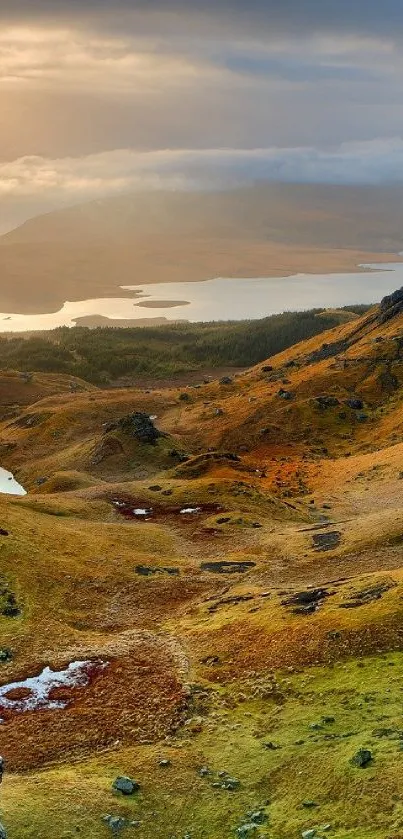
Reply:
x=266, y=230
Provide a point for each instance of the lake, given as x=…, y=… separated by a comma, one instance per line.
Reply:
x=223, y=299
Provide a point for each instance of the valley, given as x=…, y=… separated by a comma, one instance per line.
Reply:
x=201, y=597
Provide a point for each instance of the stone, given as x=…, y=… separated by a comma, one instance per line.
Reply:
x=125, y=785
x=226, y=380
x=5, y=655
x=306, y=602
x=309, y=834
x=231, y=784
x=164, y=763
x=247, y=829
x=3, y=832
x=115, y=823
x=285, y=394
x=324, y=402
x=326, y=541
x=362, y=758
x=355, y=404
x=226, y=567
x=258, y=816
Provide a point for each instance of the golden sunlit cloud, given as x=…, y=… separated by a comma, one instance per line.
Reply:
x=68, y=59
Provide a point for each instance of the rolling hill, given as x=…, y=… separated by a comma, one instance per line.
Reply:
x=221, y=568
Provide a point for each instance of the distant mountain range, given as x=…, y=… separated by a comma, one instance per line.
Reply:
x=263, y=230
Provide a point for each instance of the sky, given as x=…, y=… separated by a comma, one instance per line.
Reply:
x=102, y=96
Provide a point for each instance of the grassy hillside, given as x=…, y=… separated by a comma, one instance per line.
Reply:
x=232, y=570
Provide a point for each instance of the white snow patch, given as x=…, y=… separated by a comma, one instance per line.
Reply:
x=77, y=674
x=187, y=510
x=140, y=511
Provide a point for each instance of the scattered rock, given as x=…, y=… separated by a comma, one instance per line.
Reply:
x=231, y=784
x=226, y=380
x=326, y=541
x=247, y=829
x=155, y=488
x=3, y=532
x=150, y=570
x=125, y=785
x=5, y=655
x=285, y=394
x=306, y=602
x=324, y=402
x=368, y=594
x=226, y=567
x=355, y=404
x=362, y=758
x=164, y=763
x=115, y=823
x=309, y=834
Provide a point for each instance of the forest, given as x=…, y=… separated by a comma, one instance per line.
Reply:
x=106, y=355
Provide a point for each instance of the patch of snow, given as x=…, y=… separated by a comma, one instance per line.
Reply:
x=187, y=510
x=153, y=417
x=9, y=485
x=140, y=511
x=38, y=688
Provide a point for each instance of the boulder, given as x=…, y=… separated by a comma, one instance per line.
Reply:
x=125, y=785
x=326, y=541
x=362, y=758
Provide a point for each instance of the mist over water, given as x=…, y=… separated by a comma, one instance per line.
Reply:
x=224, y=299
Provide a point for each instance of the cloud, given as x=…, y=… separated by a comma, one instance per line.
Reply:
x=78, y=179
x=275, y=16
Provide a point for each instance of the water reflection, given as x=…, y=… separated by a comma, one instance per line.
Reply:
x=224, y=299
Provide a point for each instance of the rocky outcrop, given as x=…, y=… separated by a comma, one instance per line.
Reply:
x=391, y=306
x=141, y=427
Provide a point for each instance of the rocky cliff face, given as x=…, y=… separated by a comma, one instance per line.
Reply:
x=391, y=305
